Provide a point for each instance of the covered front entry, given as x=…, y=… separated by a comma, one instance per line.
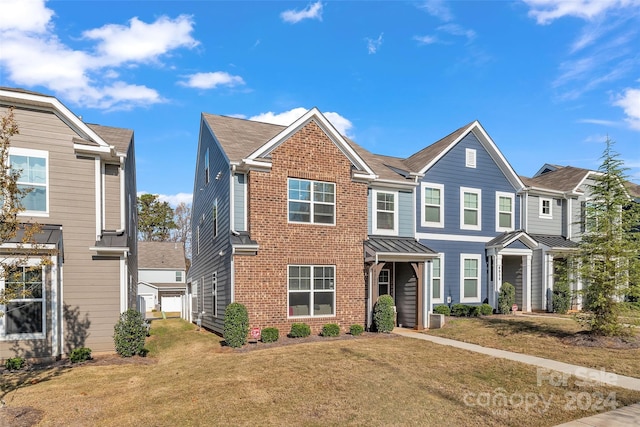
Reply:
x=399, y=267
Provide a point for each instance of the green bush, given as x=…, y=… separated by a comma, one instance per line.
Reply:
x=486, y=309
x=561, y=299
x=299, y=330
x=14, y=363
x=270, y=335
x=236, y=325
x=442, y=309
x=460, y=310
x=330, y=330
x=506, y=297
x=80, y=354
x=383, y=315
x=129, y=334
x=356, y=330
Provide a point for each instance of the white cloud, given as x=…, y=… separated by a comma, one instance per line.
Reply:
x=630, y=103
x=141, y=42
x=313, y=11
x=374, y=44
x=33, y=55
x=598, y=122
x=175, y=199
x=342, y=124
x=438, y=9
x=212, y=80
x=24, y=16
x=457, y=30
x=426, y=39
x=545, y=11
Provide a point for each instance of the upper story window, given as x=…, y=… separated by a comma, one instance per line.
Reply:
x=433, y=207
x=312, y=201
x=178, y=276
x=24, y=313
x=470, y=208
x=34, y=178
x=505, y=218
x=312, y=290
x=545, y=208
x=214, y=293
x=385, y=215
x=206, y=167
x=215, y=217
x=470, y=158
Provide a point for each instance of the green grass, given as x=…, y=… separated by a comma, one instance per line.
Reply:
x=190, y=379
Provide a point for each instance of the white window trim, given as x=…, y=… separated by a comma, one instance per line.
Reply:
x=423, y=222
x=388, y=283
x=441, y=299
x=17, y=151
x=541, y=214
x=479, y=277
x=214, y=293
x=470, y=158
x=311, y=202
x=374, y=214
x=207, y=170
x=37, y=336
x=215, y=215
x=477, y=191
x=511, y=196
x=312, y=292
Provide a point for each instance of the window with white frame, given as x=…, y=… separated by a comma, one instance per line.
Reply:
x=433, y=206
x=311, y=201
x=24, y=313
x=469, y=278
x=214, y=293
x=385, y=216
x=312, y=290
x=178, y=276
x=505, y=217
x=34, y=178
x=384, y=282
x=437, y=283
x=545, y=208
x=470, y=158
x=206, y=167
x=470, y=208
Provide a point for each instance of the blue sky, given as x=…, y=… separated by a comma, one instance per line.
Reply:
x=548, y=79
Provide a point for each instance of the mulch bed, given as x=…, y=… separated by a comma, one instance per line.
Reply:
x=584, y=339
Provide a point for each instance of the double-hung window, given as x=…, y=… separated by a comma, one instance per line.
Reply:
x=433, y=206
x=470, y=208
x=312, y=201
x=505, y=212
x=385, y=217
x=24, y=312
x=545, y=208
x=437, y=283
x=470, y=278
x=33, y=180
x=312, y=290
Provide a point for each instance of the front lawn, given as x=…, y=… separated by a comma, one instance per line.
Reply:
x=548, y=337
x=189, y=379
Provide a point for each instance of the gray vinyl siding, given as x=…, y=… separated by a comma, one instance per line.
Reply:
x=239, y=201
x=208, y=260
x=406, y=294
x=539, y=225
x=451, y=172
x=536, y=280
x=91, y=284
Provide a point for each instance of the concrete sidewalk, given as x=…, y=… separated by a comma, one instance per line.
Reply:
x=626, y=416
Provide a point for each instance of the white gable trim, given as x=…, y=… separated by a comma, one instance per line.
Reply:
x=324, y=124
x=49, y=102
x=491, y=148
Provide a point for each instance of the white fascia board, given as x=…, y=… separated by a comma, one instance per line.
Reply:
x=496, y=154
x=527, y=240
x=387, y=183
x=60, y=109
x=110, y=250
x=446, y=150
x=402, y=257
x=326, y=126
x=29, y=247
x=251, y=164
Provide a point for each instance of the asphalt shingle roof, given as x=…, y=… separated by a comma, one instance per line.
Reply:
x=118, y=137
x=420, y=159
x=566, y=178
x=161, y=255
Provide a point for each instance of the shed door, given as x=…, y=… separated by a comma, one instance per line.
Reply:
x=171, y=304
x=148, y=302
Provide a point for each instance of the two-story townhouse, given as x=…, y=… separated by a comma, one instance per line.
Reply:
x=83, y=195
x=162, y=277
x=466, y=199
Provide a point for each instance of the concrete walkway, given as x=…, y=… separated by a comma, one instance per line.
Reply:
x=626, y=416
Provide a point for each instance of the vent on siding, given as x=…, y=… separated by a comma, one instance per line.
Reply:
x=470, y=158
x=111, y=170
x=80, y=157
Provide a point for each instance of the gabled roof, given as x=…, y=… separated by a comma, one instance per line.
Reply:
x=385, y=167
x=507, y=238
x=118, y=137
x=564, y=179
x=161, y=255
x=424, y=159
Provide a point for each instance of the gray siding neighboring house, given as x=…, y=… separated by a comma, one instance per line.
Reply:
x=75, y=164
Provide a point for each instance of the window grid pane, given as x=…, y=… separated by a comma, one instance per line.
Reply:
x=311, y=201
x=302, y=297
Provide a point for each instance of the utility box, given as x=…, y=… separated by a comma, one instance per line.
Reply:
x=436, y=321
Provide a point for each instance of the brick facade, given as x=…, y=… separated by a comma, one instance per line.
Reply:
x=261, y=281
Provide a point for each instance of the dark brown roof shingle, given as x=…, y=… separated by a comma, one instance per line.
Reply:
x=161, y=255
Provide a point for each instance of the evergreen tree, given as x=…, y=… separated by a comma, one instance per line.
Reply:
x=155, y=219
